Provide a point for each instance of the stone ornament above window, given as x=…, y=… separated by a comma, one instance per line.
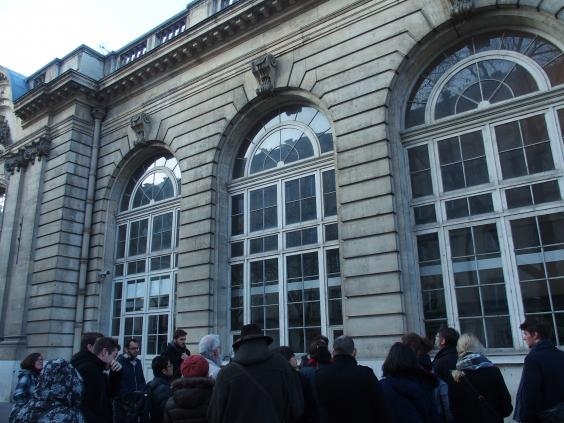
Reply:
x=461, y=9
x=141, y=125
x=264, y=70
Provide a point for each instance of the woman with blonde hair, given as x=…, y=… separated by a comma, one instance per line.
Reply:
x=478, y=392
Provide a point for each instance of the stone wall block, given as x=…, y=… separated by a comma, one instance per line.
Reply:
x=360, y=121
x=365, y=189
x=373, y=305
x=364, y=154
x=364, y=172
x=369, y=225
x=367, y=245
x=367, y=208
x=384, y=283
x=375, y=264
x=375, y=326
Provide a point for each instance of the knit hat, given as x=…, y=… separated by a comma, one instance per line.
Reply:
x=194, y=366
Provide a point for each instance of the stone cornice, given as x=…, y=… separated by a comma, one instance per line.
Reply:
x=27, y=155
x=67, y=86
x=213, y=33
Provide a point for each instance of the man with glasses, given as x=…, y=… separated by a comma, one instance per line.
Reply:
x=158, y=390
x=126, y=404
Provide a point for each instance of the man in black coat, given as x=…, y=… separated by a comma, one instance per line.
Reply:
x=99, y=388
x=445, y=359
x=542, y=380
x=347, y=391
x=176, y=351
x=158, y=389
x=257, y=386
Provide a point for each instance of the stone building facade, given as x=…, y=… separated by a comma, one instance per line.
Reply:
x=341, y=166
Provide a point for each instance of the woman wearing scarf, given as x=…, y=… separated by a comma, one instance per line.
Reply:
x=57, y=396
x=478, y=392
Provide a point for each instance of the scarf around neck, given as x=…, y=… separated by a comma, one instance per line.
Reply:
x=473, y=361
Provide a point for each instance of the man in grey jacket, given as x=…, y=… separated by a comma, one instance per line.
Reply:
x=257, y=386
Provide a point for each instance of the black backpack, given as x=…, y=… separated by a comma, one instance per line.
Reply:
x=136, y=405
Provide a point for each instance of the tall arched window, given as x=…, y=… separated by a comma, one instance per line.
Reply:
x=484, y=143
x=145, y=259
x=284, y=256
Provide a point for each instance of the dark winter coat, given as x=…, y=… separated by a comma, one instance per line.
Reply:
x=189, y=401
x=174, y=353
x=542, y=382
x=311, y=412
x=237, y=399
x=444, y=362
x=348, y=392
x=56, y=398
x=465, y=405
x=159, y=393
x=99, y=388
x=132, y=377
x=411, y=397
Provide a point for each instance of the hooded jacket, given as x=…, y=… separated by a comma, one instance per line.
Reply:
x=189, y=401
x=237, y=398
x=57, y=396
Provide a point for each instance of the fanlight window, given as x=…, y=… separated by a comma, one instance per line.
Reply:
x=468, y=77
x=157, y=180
x=289, y=135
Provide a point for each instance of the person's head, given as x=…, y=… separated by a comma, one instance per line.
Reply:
x=194, y=366
x=400, y=360
x=162, y=367
x=319, y=351
x=33, y=362
x=288, y=354
x=535, y=329
x=179, y=338
x=251, y=333
x=417, y=343
x=446, y=337
x=468, y=343
x=210, y=347
x=106, y=349
x=132, y=347
x=88, y=339
x=420, y=346
x=344, y=345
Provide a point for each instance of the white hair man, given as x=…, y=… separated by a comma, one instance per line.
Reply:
x=210, y=348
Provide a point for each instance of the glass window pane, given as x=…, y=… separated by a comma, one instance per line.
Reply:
x=519, y=197
x=457, y=208
x=424, y=214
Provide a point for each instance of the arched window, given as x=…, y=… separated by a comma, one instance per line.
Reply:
x=486, y=189
x=284, y=256
x=145, y=258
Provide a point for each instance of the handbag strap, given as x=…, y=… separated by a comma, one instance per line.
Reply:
x=252, y=379
x=481, y=398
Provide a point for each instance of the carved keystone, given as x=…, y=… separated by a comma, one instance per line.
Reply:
x=264, y=70
x=141, y=125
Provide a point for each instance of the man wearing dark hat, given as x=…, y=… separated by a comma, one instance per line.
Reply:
x=257, y=386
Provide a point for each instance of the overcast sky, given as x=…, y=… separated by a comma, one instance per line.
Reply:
x=35, y=32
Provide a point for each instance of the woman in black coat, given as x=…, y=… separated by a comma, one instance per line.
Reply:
x=477, y=392
x=408, y=388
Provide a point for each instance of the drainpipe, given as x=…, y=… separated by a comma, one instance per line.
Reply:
x=98, y=115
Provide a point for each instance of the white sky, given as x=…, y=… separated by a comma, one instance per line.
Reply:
x=35, y=32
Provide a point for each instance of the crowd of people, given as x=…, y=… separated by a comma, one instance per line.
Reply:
x=263, y=384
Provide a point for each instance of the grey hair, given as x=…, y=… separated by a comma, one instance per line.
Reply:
x=468, y=343
x=343, y=345
x=208, y=343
